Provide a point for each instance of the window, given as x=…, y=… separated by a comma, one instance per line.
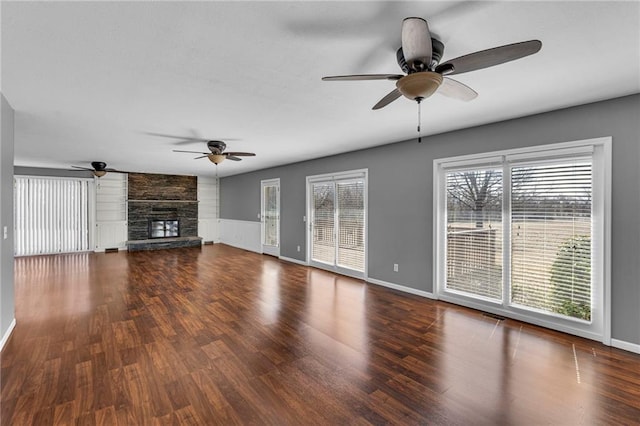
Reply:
x=51, y=215
x=522, y=233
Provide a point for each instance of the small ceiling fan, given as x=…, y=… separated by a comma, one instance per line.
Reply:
x=419, y=58
x=217, y=154
x=98, y=169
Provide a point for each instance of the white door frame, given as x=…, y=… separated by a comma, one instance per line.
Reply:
x=269, y=249
x=334, y=177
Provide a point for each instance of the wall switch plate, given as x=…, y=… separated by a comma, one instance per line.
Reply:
x=304, y=218
x=5, y=232
x=395, y=267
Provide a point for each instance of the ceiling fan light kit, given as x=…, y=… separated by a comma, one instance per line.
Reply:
x=419, y=85
x=216, y=158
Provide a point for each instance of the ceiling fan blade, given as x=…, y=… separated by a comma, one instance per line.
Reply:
x=391, y=96
x=240, y=154
x=490, y=57
x=82, y=168
x=454, y=89
x=355, y=77
x=191, y=152
x=184, y=138
x=202, y=156
x=416, y=43
x=231, y=157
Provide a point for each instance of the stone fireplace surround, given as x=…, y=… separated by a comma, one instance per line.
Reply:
x=163, y=197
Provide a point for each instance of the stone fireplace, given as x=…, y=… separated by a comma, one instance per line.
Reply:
x=163, y=211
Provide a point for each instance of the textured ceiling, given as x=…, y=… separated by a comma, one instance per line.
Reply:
x=91, y=80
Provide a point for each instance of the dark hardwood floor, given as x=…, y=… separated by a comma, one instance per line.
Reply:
x=223, y=336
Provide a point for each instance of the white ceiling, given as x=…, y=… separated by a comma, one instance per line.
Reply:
x=90, y=80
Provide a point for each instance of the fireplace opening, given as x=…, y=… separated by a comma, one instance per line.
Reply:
x=164, y=228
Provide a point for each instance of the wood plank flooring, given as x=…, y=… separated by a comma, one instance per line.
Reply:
x=223, y=336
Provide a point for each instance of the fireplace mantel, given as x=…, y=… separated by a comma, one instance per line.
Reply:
x=162, y=201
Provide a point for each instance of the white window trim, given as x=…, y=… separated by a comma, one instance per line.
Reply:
x=601, y=148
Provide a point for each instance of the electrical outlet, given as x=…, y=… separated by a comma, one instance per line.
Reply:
x=298, y=248
x=395, y=267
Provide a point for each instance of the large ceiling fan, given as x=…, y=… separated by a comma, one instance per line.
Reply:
x=419, y=58
x=98, y=168
x=218, y=154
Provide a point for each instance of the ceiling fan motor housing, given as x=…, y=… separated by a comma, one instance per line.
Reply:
x=437, y=50
x=99, y=165
x=217, y=147
x=419, y=85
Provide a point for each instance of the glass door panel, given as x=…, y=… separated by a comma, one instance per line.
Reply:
x=270, y=217
x=350, y=245
x=474, y=233
x=323, y=223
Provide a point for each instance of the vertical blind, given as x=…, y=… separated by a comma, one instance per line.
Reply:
x=551, y=238
x=474, y=232
x=51, y=215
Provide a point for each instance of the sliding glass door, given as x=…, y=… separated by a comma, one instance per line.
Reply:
x=522, y=233
x=337, y=222
x=51, y=215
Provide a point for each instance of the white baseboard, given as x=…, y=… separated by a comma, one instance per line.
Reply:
x=621, y=344
x=7, y=334
x=401, y=288
x=292, y=260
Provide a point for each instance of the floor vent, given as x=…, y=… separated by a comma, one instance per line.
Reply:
x=208, y=243
x=111, y=250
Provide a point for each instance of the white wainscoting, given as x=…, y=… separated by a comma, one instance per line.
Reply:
x=208, y=230
x=241, y=234
x=111, y=235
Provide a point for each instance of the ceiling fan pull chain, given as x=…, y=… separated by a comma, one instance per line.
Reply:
x=419, y=119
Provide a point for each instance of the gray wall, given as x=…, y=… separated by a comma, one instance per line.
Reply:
x=40, y=171
x=7, y=311
x=401, y=195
